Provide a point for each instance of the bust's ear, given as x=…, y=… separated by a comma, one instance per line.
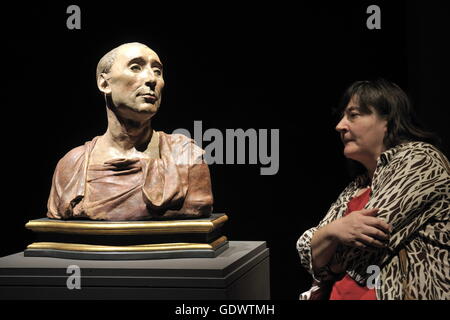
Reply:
x=103, y=84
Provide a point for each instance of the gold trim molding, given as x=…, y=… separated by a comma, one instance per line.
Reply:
x=135, y=248
x=127, y=227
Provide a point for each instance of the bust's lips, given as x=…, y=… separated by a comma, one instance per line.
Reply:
x=148, y=96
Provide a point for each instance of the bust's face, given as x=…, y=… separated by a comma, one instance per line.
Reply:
x=136, y=82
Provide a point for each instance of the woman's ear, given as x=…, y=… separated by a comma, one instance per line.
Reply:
x=103, y=84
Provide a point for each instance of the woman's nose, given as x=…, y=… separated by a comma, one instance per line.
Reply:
x=342, y=125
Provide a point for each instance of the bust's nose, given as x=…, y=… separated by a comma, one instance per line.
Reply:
x=150, y=78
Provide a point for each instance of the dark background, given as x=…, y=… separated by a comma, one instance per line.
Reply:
x=258, y=66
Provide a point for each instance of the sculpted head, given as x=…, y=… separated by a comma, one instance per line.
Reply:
x=131, y=77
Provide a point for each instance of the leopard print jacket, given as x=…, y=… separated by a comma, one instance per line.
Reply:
x=411, y=186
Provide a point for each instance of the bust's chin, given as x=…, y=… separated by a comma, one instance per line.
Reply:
x=139, y=113
x=147, y=108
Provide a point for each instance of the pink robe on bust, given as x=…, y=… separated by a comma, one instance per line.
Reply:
x=174, y=183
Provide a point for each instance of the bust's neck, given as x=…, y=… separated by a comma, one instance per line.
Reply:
x=123, y=134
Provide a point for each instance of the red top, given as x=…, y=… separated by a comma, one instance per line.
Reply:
x=347, y=288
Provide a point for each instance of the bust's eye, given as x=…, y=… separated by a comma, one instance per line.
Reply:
x=135, y=67
x=157, y=71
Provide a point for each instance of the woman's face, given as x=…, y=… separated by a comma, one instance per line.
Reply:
x=362, y=134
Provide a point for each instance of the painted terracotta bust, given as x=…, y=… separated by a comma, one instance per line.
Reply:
x=131, y=172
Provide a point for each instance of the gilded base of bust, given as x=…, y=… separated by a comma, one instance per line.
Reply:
x=128, y=240
x=136, y=252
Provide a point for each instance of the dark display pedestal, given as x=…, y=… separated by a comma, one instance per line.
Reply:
x=240, y=272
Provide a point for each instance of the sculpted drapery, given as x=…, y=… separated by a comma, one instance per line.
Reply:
x=173, y=183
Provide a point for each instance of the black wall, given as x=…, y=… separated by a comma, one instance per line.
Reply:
x=261, y=66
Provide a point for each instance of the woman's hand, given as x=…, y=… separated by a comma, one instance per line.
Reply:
x=361, y=229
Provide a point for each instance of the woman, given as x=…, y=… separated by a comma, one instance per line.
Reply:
x=392, y=221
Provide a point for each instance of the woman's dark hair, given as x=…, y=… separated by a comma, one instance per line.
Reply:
x=391, y=103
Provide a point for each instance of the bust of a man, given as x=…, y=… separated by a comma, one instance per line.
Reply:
x=131, y=172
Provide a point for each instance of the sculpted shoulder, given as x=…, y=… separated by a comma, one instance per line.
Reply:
x=70, y=163
x=184, y=147
x=176, y=138
x=72, y=156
